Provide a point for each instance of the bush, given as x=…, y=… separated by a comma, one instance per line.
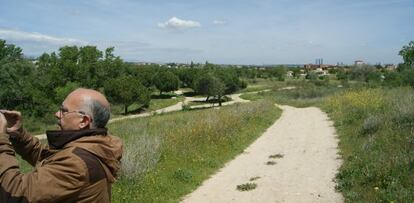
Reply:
x=136, y=161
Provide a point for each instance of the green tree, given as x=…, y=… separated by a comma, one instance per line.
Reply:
x=166, y=81
x=127, y=90
x=187, y=76
x=19, y=83
x=210, y=85
x=407, y=53
x=217, y=88
x=62, y=92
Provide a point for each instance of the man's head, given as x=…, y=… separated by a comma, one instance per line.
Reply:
x=83, y=109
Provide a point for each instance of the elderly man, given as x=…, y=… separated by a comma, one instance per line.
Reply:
x=79, y=164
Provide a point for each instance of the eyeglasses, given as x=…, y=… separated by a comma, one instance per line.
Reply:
x=63, y=110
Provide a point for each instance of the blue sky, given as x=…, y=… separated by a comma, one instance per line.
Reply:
x=232, y=32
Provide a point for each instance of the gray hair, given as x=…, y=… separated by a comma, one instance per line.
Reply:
x=99, y=113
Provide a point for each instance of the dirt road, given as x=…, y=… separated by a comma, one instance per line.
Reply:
x=295, y=160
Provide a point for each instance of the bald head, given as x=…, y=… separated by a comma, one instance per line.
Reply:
x=89, y=94
x=93, y=103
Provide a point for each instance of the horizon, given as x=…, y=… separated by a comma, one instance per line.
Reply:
x=231, y=32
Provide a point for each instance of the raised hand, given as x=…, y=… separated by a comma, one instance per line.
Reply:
x=3, y=124
x=14, y=120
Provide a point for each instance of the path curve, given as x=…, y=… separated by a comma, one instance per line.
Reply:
x=306, y=140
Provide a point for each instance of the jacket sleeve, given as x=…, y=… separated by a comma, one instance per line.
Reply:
x=29, y=147
x=54, y=182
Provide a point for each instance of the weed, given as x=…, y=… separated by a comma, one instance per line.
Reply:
x=276, y=156
x=246, y=187
x=271, y=163
x=183, y=175
x=186, y=107
x=371, y=125
x=137, y=160
x=254, y=178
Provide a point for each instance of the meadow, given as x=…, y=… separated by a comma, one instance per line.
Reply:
x=167, y=156
x=376, y=131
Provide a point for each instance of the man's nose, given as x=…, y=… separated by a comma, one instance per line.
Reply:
x=57, y=114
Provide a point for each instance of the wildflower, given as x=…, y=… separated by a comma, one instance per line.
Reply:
x=376, y=188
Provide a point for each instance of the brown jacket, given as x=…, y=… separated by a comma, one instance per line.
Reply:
x=77, y=166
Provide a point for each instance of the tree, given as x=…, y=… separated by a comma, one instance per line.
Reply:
x=407, y=52
x=217, y=88
x=62, y=92
x=187, y=76
x=127, y=90
x=210, y=86
x=165, y=81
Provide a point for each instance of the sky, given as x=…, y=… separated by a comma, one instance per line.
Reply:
x=222, y=32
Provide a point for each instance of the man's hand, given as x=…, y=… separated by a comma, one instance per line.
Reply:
x=13, y=120
x=3, y=124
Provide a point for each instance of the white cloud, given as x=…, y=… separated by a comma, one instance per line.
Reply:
x=176, y=23
x=219, y=22
x=16, y=35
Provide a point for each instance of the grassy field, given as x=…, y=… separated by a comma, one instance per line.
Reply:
x=261, y=84
x=155, y=104
x=304, y=93
x=168, y=156
x=376, y=131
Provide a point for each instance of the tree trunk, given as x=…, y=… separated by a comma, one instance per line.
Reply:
x=207, y=98
x=160, y=92
x=126, y=109
x=219, y=98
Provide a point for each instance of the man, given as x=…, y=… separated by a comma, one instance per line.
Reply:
x=79, y=164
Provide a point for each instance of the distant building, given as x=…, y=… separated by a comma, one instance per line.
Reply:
x=318, y=66
x=359, y=62
x=390, y=67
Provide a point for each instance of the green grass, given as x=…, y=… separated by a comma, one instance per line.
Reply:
x=306, y=94
x=156, y=104
x=210, y=101
x=376, y=131
x=262, y=84
x=169, y=155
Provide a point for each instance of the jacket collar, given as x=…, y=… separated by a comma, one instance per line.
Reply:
x=59, y=138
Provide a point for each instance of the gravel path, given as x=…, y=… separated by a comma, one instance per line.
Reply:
x=304, y=163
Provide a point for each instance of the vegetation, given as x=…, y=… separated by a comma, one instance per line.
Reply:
x=371, y=106
x=246, y=186
x=166, y=81
x=127, y=90
x=163, y=164
x=375, y=128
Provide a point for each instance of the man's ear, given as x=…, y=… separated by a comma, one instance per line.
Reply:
x=85, y=122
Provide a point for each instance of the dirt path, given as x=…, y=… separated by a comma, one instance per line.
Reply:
x=304, y=162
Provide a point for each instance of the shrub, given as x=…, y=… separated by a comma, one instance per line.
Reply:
x=141, y=154
x=371, y=125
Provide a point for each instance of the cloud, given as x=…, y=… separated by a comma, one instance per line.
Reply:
x=16, y=35
x=176, y=23
x=219, y=22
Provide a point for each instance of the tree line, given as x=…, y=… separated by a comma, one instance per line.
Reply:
x=378, y=75
x=38, y=87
